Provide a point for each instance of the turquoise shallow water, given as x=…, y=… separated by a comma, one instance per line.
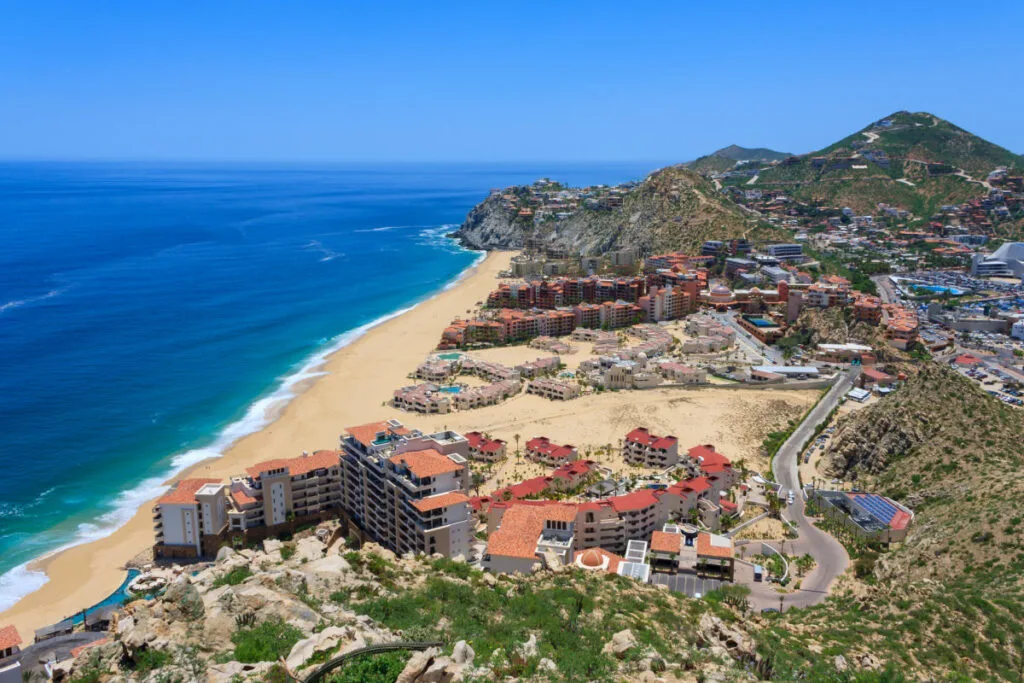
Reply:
x=151, y=314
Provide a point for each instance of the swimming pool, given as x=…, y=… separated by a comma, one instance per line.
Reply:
x=939, y=289
x=115, y=599
x=451, y=390
x=450, y=356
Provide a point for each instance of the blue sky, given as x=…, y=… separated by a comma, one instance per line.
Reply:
x=483, y=81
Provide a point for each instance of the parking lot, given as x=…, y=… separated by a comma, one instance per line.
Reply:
x=690, y=584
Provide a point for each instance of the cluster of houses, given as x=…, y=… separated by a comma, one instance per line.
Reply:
x=409, y=492
x=663, y=529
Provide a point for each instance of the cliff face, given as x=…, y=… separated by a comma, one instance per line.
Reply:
x=673, y=208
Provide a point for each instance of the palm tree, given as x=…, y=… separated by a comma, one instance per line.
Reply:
x=516, y=437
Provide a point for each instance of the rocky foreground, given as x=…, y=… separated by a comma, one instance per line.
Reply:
x=281, y=611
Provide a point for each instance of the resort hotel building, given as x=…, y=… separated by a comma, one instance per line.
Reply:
x=407, y=490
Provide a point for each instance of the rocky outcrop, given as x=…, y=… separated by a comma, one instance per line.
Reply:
x=673, y=208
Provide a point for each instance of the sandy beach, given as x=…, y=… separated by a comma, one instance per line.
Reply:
x=359, y=380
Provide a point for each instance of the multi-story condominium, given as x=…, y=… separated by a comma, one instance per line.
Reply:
x=488, y=370
x=640, y=447
x=587, y=315
x=539, y=366
x=422, y=398
x=541, y=449
x=901, y=326
x=867, y=309
x=277, y=491
x=437, y=370
x=182, y=517
x=492, y=394
x=616, y=314
x=487, y=450
x=407, y=490
x=784, y=251
x=527, y=532
x=553, y=389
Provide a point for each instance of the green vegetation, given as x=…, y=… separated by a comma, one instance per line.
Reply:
x=150, y=660
x=382, y=668
x=265, y=642
x=234, y=577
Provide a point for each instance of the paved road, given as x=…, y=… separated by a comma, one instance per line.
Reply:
x=829, y=553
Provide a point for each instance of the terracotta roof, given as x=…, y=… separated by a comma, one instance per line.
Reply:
x=697, y=485
x=365, y=434
x=184, y=491
x=441, y=500
x=664, y=542
x=708, y=455
x=9, y=637
x=242, y=498
x=426, y=463
x=75, y=652
x=304, y=464
x=521, y=527
x=637, y=500
x=593, y=558
x=712, y=545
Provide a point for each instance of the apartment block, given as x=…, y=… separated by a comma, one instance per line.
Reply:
x=407, y=490
x=640, y=447
x=182, y=517
x=277, y=491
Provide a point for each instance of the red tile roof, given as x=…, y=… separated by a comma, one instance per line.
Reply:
x=521, y=527
x=365, y=434
x=426, y=463
x=9, y=637
x=707, y=455
x=707, y=548
x=304, y=464
x=695, y=485
x=242, y=498
x=184, y=492
x=664, y=542
x=442, y=500
x=637, y=500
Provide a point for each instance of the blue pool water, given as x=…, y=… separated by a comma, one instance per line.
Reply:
x=451, y=390
x=150, y=315
x=939, y=289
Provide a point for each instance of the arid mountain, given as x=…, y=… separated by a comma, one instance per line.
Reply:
x=913, y=160
x=674, y=208
x=727, y=157
x=946, y=604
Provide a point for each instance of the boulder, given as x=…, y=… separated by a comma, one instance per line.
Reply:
x=327, y=639
x=234, y=671
x=416, y=665
x=463, y=654
x=527, y=650
x=713, y=632
x=547, y=667
x=840, y=663
x=441, y=670
x=224, y=553
x=272, y=545
x=620, y=644
x=309, y=549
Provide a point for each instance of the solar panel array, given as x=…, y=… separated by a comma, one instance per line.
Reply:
x=636, y=551
x=637, y=570
x=879, y=507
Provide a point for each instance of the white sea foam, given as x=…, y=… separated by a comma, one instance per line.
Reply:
x=21, y=581
x=18, y=303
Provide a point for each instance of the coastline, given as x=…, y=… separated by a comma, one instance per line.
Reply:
x=344, y=386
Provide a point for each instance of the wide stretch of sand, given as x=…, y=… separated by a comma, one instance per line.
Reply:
x=359, y=381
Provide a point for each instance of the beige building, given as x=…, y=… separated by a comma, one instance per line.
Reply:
x=277, y=491
x=407, y=490
x=192, y=509
x=553, y=389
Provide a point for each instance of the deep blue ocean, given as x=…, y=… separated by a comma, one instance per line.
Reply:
x=150, y=314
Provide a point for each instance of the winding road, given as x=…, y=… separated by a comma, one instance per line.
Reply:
x=828, y=553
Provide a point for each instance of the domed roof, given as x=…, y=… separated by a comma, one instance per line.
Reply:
x=592, y=559
x=755, y=290
x=721, y=290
